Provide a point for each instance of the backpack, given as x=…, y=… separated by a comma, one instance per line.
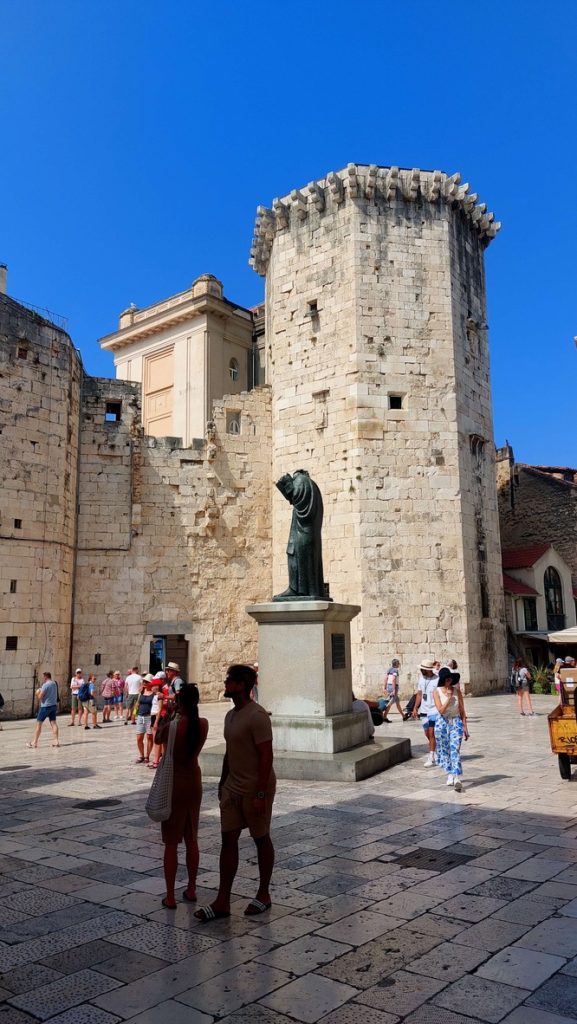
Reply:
x=84, y=692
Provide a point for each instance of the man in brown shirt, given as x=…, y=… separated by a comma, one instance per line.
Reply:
x=246, y=792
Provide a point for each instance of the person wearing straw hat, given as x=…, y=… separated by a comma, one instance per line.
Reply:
x=172, y=671
x=425, y=706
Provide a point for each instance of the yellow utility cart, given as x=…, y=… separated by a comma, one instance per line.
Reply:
x=563, y=723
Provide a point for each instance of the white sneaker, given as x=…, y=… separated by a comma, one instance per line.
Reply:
x=430, y=762
x=450, y=780
x=458, y=786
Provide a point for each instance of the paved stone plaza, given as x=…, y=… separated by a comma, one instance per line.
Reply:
x=394, y=899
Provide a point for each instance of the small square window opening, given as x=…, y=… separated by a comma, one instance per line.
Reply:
x=13, y=585
x=395, y=401
x=11, y=643
x=113, y=412
x=17, y=524
x=312, y=307
x=22, y=352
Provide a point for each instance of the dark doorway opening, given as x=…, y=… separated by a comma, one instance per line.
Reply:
x=173, y=647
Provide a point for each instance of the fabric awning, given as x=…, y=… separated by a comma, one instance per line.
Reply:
x=564, y=636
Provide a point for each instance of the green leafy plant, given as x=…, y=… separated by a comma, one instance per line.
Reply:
x=543, y=681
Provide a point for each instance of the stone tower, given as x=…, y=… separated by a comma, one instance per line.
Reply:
x=40, y=393
x=377, y=354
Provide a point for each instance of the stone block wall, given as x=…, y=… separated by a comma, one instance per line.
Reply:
x=184, y=538
x=40, y=382
x=371, y=277
x=537, y=505
x=481, y=572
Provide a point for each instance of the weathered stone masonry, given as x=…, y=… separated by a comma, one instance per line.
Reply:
x=377, y=370
x=40, y=382
x=158, y=533
x=537, y=504
x=171, y=534
x=378, y=360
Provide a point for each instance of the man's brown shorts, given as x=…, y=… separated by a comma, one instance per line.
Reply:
x=237, y=811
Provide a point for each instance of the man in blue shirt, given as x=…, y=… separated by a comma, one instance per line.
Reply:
x=47, y=694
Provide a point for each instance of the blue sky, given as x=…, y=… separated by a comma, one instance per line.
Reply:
x=138, y=139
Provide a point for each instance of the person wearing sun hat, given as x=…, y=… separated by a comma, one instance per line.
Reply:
x=173, y=675
x=425, y=706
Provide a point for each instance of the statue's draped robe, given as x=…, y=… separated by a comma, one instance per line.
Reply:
x=304, y=549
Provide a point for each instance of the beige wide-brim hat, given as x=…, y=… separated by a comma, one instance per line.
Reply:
x=173, y=666
x=148, y=677
x=428, y=666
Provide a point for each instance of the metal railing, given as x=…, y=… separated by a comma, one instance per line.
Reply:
x=55, y=318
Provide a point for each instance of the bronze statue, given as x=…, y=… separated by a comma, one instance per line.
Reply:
x=304, y=549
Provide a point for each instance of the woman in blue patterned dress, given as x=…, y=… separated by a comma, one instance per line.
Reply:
x=450, y=726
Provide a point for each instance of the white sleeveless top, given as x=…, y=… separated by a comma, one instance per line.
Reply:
x=452, y=708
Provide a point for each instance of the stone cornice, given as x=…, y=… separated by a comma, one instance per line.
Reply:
x=368, y=182
x=178, y=309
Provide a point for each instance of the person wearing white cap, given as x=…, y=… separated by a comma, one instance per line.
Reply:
x=173, y=675
x=425, y=706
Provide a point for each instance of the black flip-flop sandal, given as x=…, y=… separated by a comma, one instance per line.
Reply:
x=258, y=907
x=205, y=914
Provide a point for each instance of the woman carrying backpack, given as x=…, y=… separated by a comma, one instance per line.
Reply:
x=523, y=688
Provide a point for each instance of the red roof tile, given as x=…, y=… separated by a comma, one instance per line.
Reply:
x=512, y=586
x=523, y=558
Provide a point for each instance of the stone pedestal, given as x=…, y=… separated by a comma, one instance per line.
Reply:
x=305, y=681
x=304, y=669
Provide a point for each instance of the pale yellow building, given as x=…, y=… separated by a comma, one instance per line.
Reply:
x=185, y=351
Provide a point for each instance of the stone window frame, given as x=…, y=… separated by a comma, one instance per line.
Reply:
x=113, y=411
x=234, y=369
x=396, y=401
x=233, y=422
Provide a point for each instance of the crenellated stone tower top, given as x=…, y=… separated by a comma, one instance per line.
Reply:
x=377, y=355
x=368, y=181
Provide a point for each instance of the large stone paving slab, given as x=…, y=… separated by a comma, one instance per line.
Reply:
x=489, y=1000
x=558, y=995
x=48, y=1000
x=557, y=935
x=371, y=962
x=448, y=961
x=308, y=999
x=85, y=1014
x=232, y=989
x=531, y=1015
x=168, y=943
x=401, y=992
x=524, y=968
x=304, y=954
x=80, y=889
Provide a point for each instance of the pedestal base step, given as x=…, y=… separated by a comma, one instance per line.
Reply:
x=345, y=766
